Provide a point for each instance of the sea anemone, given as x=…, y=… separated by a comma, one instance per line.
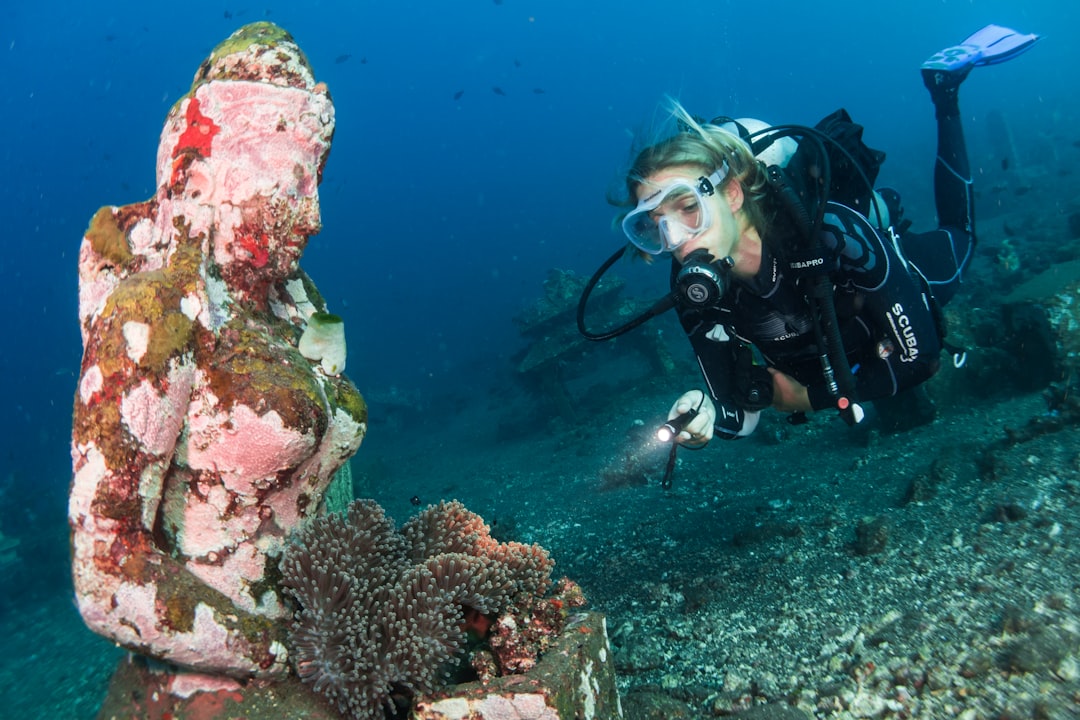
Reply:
x=380, y=613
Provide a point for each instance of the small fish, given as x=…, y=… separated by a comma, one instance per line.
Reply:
x=517, y=63
x=228, y=15
x=498, y=90
x=363, y=60
x=458, y=94
x=538, y=91
x=342, y=58
x=1004, y=163
x=498, y=2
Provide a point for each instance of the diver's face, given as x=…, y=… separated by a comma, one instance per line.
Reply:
x=721, y=231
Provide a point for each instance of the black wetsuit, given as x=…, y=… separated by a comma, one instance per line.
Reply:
x=882, y=296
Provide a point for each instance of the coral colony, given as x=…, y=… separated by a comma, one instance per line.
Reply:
x=384, y=614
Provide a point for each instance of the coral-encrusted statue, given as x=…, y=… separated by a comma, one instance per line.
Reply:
x=202, y=435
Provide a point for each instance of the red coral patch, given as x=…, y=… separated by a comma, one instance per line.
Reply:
x=199, y=134
x=195, y=141
x=256, y=242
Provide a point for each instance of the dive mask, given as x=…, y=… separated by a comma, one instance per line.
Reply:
x=673, y=213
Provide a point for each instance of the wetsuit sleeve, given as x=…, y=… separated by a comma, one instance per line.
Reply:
x=902, y=339
x=715, y=354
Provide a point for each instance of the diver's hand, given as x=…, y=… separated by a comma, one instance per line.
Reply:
x=698, y=431
x=789, y=395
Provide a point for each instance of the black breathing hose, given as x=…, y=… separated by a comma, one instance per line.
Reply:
x=835, y=365
x=659, y=307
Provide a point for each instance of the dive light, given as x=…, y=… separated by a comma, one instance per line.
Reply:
x=671, y=429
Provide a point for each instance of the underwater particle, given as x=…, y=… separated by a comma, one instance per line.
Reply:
x=324, y=341
x=498, y=90
x=458, y=94
x=1007, y=257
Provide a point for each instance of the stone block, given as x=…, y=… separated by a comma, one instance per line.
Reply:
x=574, y=680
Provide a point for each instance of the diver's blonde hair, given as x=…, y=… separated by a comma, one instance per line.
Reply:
x=708, y=147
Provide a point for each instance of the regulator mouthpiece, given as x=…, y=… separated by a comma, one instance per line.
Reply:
x=702, y=281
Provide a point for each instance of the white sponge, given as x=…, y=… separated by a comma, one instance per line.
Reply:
x=324, y=340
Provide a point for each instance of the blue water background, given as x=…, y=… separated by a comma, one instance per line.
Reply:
x=443, y=216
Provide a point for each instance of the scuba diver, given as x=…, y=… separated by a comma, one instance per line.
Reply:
x=803, y=294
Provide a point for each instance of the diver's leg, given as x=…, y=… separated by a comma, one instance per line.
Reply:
x=943, y=73
x=942, y=254
x=952, y=172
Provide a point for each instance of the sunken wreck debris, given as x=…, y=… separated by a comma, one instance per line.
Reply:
x=557, y=354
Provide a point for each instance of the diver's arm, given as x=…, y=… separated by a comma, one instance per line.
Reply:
x=715, y=356
x=701, y=426
x=789, y=395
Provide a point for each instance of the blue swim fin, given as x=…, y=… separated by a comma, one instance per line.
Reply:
x=989, y=46
x=999, y=44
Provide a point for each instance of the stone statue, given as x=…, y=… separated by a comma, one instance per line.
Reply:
x=204, y=433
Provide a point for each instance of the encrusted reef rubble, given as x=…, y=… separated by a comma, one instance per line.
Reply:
x=557, y=352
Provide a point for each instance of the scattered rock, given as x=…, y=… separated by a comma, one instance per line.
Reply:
x=655, y=705
x=1042, y=650
x=871, y=536
x=1009, y=511
x=765, y=532
x=772, y=712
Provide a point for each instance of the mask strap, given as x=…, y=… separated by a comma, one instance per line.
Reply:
x=707, y=185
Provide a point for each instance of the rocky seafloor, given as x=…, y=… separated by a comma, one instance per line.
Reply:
x=811, y=571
